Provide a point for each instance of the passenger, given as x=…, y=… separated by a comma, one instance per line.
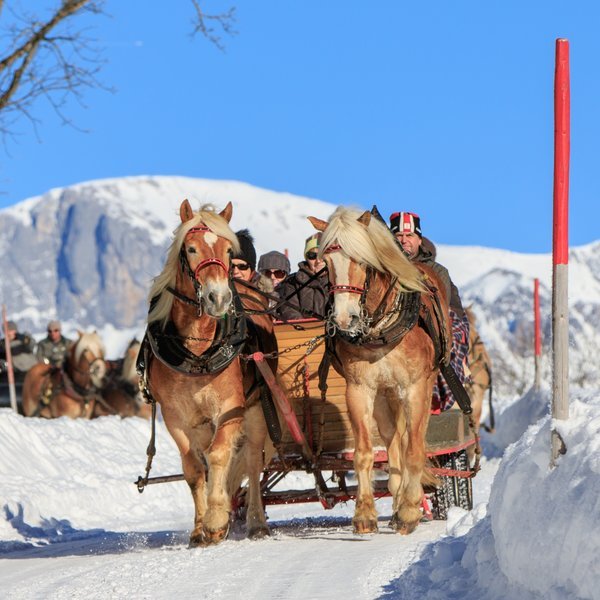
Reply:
x=304, y=289
x=22, y=347
x=243, y=264
x=53, y=348
x=406, y=227
x=275, y=266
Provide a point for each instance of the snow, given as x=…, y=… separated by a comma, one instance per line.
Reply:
x=74, y=525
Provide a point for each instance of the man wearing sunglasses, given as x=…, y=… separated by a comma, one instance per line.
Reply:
x=305, y=289
x=52, y=350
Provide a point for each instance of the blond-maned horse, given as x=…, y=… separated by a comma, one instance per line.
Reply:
x=480, y=366
x=389, y=367
x=121, y=393
x=196, y=329
x=71, y=391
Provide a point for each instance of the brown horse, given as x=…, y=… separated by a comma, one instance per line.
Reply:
x=121, y=393
x=71, y=391
x=480, y=366
x=388, y=360
x=196, y=330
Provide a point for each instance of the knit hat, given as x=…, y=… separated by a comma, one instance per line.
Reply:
x=247, y=251
x=12, y=326
x=312, y=243
x=274, y=260
x=54, y=325
x=405, y=222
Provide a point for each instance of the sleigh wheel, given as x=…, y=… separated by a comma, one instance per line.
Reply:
x=453, y=491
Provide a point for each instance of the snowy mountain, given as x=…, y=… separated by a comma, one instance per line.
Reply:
x=87, y=253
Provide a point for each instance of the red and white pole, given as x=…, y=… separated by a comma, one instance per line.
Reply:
x=537, y=332
x=560, y=245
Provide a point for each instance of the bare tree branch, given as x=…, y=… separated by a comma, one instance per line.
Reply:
x=224, y=20
x=51, y=58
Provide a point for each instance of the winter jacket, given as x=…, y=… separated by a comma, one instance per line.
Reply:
x=426, y=256
x=51, y=352
x=313, y=296
x=21, y=350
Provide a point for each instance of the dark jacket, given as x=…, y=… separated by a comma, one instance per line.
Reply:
x=313, y=296
x=53, y=353
x=426, y=256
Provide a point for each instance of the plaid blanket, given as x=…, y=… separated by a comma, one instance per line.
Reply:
x=442, y=398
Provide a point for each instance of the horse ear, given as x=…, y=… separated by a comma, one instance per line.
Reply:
x=227, y=212
x=185, y=211
x=365, y=218
x=318, y=224
x=79, y=333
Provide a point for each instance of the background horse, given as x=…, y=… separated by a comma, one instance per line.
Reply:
x=389, y=366
x=480, y=366
x=121, y=393
x=71, y=391
x=196, y=330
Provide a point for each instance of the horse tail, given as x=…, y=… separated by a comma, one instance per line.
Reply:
x=491, y=427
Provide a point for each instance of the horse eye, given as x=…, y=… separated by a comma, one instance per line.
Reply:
x=191, y=250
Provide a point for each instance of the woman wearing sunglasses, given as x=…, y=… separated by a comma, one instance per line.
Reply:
x=275, y=266
x=243, y=265
x=311, y=291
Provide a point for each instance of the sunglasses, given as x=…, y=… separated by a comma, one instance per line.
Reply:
x=277, y=273
x=311, y=255
x=240, y=266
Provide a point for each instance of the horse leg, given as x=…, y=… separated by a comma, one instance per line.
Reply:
x=359, y=409
x=219, y=455
x=390, y=417
x=194, y=472
x=256, y=436
x=407, y=512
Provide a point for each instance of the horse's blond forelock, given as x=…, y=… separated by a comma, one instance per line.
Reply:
x=218, y=225
x=91, y=342
x=373, y=245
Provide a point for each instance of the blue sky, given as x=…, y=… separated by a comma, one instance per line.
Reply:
x=443, y=108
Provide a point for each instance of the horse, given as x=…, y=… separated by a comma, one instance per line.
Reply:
x=121, y=393
x=190, y=356
x=387, y=329
x=72, y=390
x=480, y=381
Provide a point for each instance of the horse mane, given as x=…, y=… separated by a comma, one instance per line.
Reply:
x=470, y=315
x=374, y=246
x=163, y=303
x=128, y=371
x=88, y=341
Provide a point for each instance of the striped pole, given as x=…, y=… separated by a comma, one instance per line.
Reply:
x=537, y=332
x=12, y=393
x=560, y=245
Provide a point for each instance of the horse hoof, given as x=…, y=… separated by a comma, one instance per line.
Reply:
x=365, y=526
x=259, y=532
x=207, y=537
x=402, y=527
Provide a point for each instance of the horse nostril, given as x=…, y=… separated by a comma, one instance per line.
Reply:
x=353, y=321
x=211, y=297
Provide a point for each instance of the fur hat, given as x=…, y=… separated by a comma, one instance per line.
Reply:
x=312, y=243
x=247, y=251
x=405, y=222
x=54, y=325
x=274, y=260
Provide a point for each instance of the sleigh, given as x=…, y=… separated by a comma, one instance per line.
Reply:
x=318, y=438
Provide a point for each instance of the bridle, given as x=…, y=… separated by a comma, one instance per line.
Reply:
x=352, y=289
x=193, y=274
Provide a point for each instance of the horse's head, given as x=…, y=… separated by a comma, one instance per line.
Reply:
x=197, y=266
x=356, y=249
x=88, y=358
